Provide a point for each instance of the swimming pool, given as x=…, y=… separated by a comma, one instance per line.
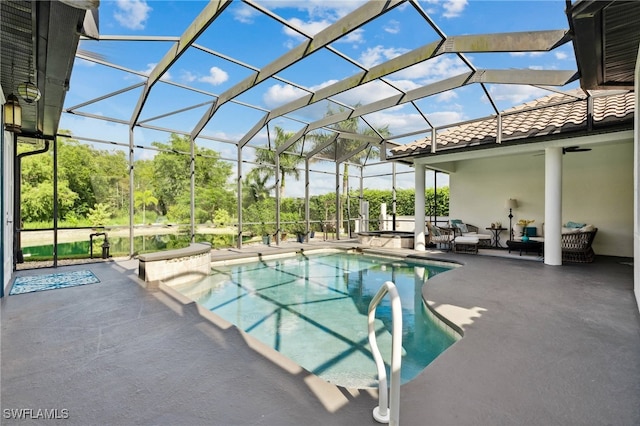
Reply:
x=313, y=309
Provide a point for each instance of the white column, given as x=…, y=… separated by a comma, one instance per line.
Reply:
x=419, y=241
x=553, y=206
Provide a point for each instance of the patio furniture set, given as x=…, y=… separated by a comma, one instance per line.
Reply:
x=462, y=237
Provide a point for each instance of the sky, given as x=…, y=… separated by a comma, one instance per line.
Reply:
x=254, y=39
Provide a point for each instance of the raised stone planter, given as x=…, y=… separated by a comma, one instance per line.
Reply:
x=178, y=266
x=386, y=239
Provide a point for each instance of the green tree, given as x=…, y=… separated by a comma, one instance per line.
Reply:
x=255, y=187
x=343, y=146
x=97, y=176
x=288, y=162
x=99, y=215
x=85, y=176
x=143, y=199
x=37, y=201
x=172, y=181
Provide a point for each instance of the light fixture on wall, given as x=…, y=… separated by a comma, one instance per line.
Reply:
x=13, y=114
x=511, y=204
x=28, y=91
x=12, y=111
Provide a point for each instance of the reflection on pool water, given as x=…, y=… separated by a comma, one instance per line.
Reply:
x=313, y=309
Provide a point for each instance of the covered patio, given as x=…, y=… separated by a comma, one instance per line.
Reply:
x=541, y=345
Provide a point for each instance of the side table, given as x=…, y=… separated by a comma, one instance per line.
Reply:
x=496, y=236
x=537, y=246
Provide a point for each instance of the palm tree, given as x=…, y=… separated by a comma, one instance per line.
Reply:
x=256, y=186
x=288, y=163
x=144, y=199
x=344, y=146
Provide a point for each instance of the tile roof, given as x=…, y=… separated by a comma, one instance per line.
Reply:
x=551, y=116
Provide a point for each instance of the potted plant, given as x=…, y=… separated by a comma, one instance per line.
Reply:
x=527, y=231
x=300, y=231
x=266, y=231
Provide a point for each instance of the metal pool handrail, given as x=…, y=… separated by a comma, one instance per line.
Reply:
x=383, y=414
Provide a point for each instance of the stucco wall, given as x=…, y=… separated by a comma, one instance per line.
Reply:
x=597, y=189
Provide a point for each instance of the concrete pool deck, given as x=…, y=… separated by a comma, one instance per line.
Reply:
x=542, y=345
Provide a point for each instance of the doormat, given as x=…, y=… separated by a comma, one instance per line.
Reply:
x=33, y=283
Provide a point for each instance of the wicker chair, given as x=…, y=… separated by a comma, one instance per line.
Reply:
x=472, y=230
x=576, y=247
x=440, y=236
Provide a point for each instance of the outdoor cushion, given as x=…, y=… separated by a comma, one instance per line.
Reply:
x=467, y=240
x=476, y=235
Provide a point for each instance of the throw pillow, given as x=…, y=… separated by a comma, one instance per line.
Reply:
x=575, y=225
x=462, y=227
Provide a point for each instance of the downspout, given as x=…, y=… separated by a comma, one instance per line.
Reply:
x=55, y=203
x=239, y=197
x=393, y=194
x=17, y=177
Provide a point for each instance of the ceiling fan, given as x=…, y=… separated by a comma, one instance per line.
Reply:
x=567, y=149
x=575, y=148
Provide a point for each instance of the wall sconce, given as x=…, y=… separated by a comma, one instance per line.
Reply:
x=13, y=114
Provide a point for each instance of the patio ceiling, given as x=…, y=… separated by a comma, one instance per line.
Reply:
x=28, y=27
x=606, y=42
x=38, y=42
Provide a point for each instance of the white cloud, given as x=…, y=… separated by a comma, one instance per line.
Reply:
x=529, y=54
x=216, y=76
x=453, y=8
x=280, y=94
x=561, y=55
x=446, y=96
x=378, y=54
x=355, y=37
x=404, y=85
x=441, y=118
x=244, y=13
x=399, y=122
x=188, y=76
x=514, y=93
x=132, y=14
x=392, y=27
x=151, y=66
x=434, y=69
x=367, y=93
x=331, y=10
x=310, y=27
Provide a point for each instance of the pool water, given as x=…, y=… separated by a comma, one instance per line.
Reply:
x=313, y=309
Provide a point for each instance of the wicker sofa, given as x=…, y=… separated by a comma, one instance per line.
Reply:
x=576, y=243
x=576, y=246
